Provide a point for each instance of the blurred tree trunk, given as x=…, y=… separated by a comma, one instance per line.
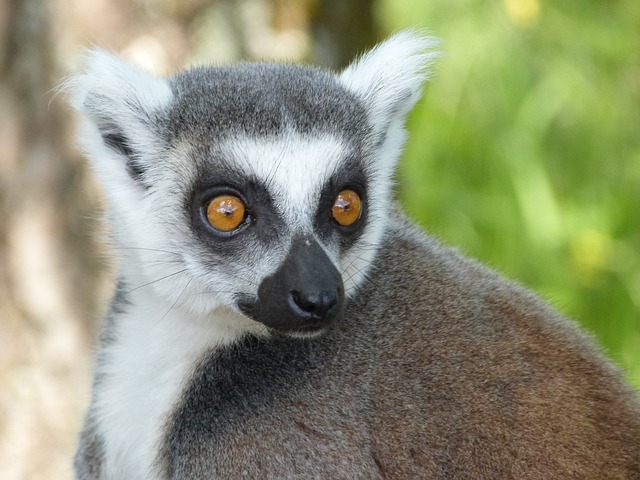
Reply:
x=341, y=30
x=40, y=180
x=47, y=280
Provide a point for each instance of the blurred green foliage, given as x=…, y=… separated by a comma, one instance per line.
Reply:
x=525, y=151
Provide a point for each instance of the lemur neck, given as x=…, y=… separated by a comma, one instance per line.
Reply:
x=153, y=349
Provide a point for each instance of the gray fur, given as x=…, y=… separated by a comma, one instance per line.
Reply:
x=90, y=454
x=262, y=99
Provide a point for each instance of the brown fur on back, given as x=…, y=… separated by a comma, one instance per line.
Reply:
x=483, y=380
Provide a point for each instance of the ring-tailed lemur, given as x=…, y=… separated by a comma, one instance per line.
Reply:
x=276, y=315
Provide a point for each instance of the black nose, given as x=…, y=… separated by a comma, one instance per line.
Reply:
x=316, y=304
x=304, y=295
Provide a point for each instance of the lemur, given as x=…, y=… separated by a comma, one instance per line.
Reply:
x=277, y=315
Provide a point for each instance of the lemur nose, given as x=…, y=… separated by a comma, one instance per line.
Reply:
x=316, y=303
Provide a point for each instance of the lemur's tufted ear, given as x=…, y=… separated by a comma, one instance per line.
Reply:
x=389, y=77
x=119, y=103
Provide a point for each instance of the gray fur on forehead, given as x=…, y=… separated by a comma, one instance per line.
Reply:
x=263, y=99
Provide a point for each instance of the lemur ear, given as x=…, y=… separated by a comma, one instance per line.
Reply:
x=389, y=77
x=118, y=102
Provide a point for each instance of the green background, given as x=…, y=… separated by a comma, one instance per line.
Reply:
x=525, y=150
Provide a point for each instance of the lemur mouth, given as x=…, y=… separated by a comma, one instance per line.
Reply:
x=304, y=297
x=304, y=332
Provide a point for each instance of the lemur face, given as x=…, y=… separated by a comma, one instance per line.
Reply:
x=280, y=217
x=260, y=189
x=278, y=200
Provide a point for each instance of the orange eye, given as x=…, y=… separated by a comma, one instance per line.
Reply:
x=347, y=208
x=226, y=213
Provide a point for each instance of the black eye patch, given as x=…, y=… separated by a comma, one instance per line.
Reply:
x=350, y=176
x=266, y=224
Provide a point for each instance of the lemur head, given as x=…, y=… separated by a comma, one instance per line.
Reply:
x=262, y=189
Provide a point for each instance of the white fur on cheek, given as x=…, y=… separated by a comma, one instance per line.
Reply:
x=359, y=258
x=388, y=80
